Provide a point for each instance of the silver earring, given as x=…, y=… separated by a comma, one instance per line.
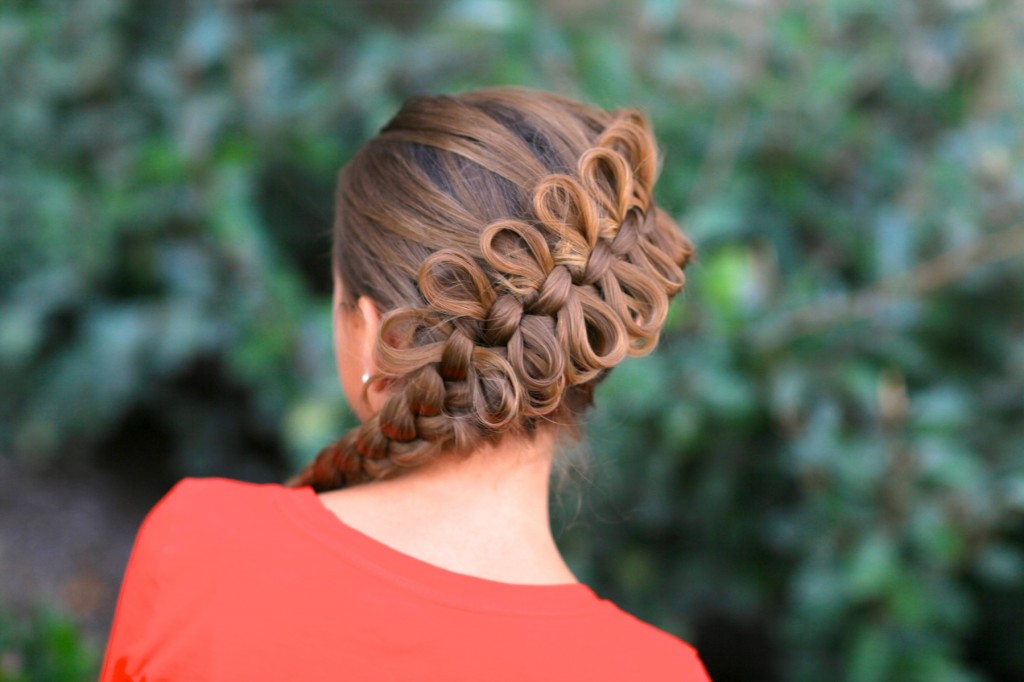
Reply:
x=366, y=377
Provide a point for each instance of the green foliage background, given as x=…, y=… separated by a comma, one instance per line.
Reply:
x=818, y=476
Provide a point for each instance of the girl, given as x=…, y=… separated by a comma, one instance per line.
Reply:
x=496, y=254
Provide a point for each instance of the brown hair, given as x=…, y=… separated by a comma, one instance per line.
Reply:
x=511, y=240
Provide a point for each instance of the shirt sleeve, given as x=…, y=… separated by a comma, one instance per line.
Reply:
x=157, y=617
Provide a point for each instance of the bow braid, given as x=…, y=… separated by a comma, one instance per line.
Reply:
x=558, y=280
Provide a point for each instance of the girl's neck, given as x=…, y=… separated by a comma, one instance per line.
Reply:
x=484, y=515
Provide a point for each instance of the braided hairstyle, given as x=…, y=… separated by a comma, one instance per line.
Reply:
x=511, y=238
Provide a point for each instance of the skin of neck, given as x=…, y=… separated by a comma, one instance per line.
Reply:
x=484, y=515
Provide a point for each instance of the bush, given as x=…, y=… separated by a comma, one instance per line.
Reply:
x=820, y=475
x=45, y=647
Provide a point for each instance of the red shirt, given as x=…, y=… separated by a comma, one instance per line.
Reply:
x=236, y=581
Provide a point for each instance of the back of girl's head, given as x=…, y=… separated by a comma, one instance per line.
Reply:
x=510, y=240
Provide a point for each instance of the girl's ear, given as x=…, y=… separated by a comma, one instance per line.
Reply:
x=355, y=337
x=368, y=324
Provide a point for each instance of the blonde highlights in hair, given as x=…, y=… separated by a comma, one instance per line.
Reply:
x=511, y=239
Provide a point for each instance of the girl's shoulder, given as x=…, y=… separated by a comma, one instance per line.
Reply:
x=208, y=499
x=207, y=517
x=193, y=491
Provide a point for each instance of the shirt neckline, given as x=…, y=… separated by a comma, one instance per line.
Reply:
x=305, y=509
